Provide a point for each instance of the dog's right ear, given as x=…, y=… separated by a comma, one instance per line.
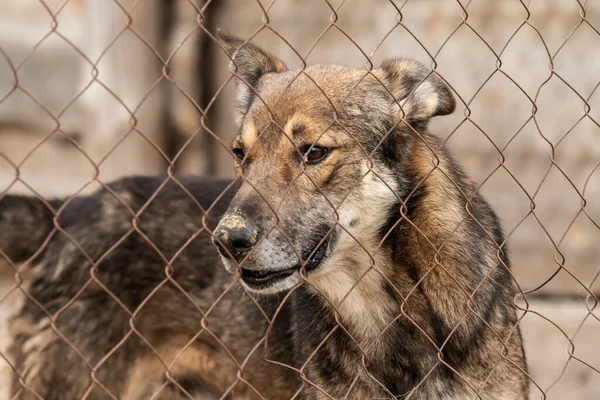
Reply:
x=420, y=92
x=249, y=62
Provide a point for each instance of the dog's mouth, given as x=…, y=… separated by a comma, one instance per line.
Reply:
x=261, y=280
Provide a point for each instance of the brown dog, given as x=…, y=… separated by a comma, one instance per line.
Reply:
x=372, y=267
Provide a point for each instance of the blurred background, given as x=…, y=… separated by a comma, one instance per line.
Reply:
x=92, y=90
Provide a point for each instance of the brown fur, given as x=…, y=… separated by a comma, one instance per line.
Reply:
x=374, y=272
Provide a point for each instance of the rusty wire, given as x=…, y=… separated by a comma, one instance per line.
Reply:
x=204, y=26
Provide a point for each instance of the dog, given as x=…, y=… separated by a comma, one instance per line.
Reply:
x=359, y=260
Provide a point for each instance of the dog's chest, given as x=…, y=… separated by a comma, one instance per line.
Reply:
x=335, y=358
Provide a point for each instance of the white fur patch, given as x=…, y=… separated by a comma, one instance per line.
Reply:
x=350, y=278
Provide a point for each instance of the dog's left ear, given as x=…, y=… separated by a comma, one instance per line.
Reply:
x=419, y=91
x=250, y=63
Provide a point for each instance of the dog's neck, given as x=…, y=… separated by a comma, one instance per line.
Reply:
x=352, y=278
x=354, y=291
x=355, y=317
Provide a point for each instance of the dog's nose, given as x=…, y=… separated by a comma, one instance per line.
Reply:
x=235, y=236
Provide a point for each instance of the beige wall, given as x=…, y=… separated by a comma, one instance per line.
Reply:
x=496, y=97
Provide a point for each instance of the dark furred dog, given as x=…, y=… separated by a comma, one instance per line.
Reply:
x=369, y=265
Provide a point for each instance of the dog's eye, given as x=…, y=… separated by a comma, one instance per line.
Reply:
x=239, y=153
x=315, y=154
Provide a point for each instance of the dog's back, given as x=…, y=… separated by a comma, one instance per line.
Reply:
x=127, y=285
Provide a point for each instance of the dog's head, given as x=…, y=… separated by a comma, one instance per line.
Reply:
x=320, y=155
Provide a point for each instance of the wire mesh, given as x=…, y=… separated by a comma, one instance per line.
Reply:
x=154, y=95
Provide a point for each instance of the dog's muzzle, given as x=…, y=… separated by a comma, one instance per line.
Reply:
x=236, y=239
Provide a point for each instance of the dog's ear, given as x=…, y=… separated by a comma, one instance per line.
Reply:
x=250, y=63
x=420, y=92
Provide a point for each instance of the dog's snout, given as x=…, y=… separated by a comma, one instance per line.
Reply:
x=235, y=236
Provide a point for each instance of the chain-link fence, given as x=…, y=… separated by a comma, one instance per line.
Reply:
x=94, y=90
